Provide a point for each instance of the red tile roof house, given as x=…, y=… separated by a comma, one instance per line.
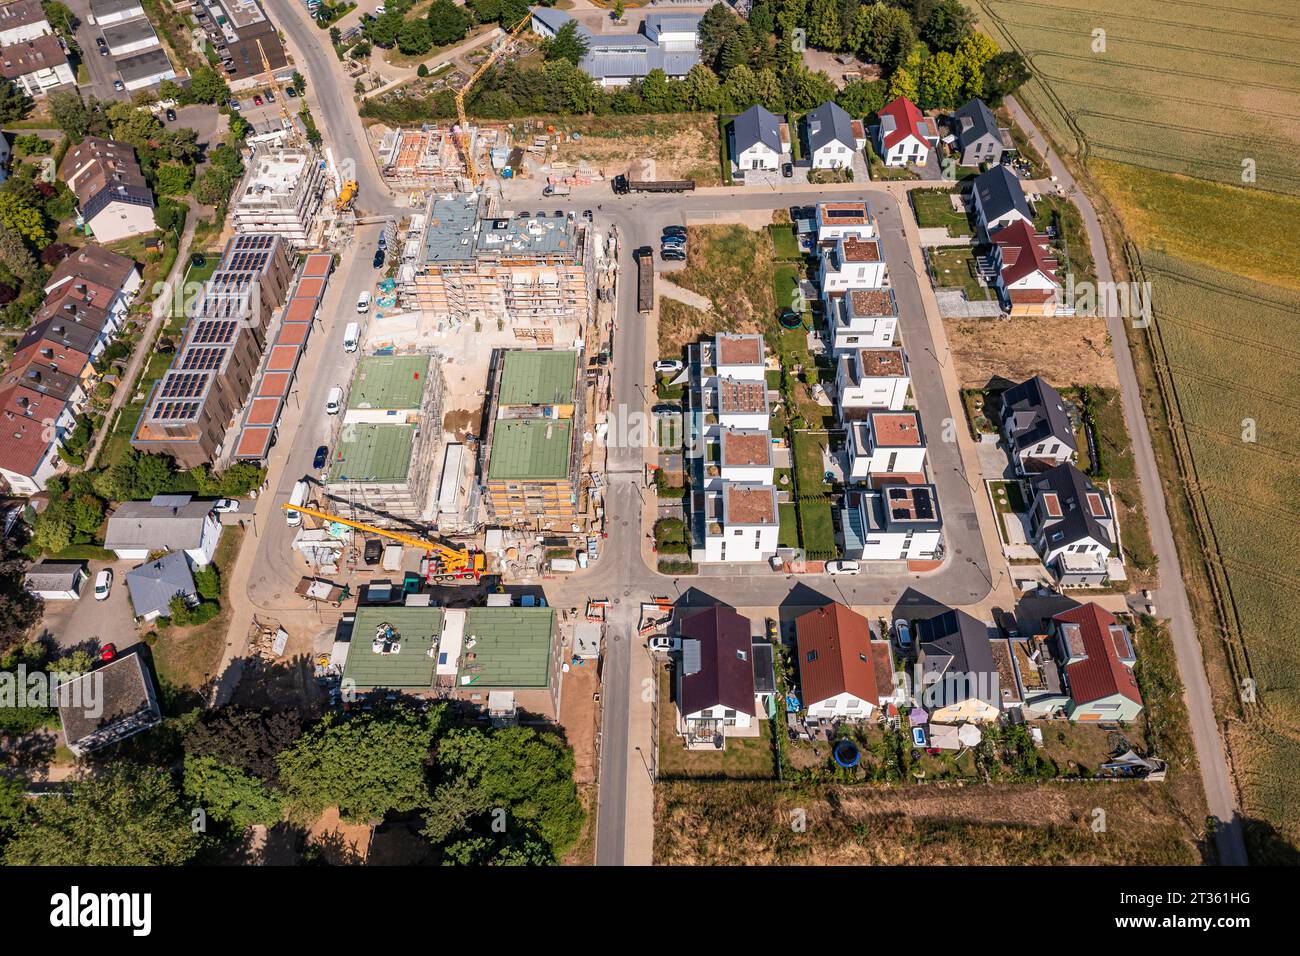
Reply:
x=904, y=134
x=32, y=428
x=716, y=697
x=1026, y=270
x=843, y=673
x=1098, y=657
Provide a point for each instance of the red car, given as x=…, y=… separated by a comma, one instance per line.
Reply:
x=257, y=101
x=108, y=652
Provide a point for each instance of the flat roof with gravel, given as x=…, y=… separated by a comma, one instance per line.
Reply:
x=530, y=449
x=378, y=453
x=389, y=381
x=511, y=647
x=417, y=631
x=542, y=377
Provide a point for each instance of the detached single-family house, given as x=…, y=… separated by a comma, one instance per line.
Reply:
x=55, y=580
x=975, y=133
x=666, y=41
x=114, y=701
x=999, y=200
x=1037, y=427
x=152, y=586
x=871, y=378
x=887, y=447
x=959, y=677
x=37, y=66
x=843, y=673
x=861, y=318
x=1072, y=526
x=904, y=135
x=844, y=219
x=716, y=696
x=113, y=198
x=1025, y=270
x=756, y=140
x=1096, y=652
x=734, y=522
x=830, y=135
x=894, y=523
x=164, y=523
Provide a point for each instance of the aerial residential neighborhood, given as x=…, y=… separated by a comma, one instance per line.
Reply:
x=597, y=434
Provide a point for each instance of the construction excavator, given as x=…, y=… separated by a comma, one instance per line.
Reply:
x=447, y=564
x=462, y=135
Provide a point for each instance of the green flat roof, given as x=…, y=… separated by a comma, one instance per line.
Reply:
x=522, y=450
x=512, y=647
x=538, y=378
x=417, y=628
x=378, y=453
x=389, y=381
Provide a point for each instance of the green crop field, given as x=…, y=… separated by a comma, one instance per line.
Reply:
x=1186, y=116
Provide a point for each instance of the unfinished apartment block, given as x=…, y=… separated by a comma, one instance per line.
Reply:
x=425, y=158
x=533, y=274
x=531, y=459
x=385, y=466
x=280, y=195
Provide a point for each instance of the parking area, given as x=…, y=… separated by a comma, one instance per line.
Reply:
x=89, y=623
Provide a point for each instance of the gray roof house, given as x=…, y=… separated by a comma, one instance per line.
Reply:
x=164, y=523
x=153, y=585
x=120, y=702
x=1072, y=525
x=975, y=130
x=957, y=667
x=756, y=139
x=669, y=43
x=55, y=580
x=1036, y=426
x=831, y=142
x=999, y=199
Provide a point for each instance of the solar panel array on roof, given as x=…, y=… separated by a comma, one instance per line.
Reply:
x=203, y=358
x=175, y=411
x=182, y=384
x=213, y=332
x=921, y=501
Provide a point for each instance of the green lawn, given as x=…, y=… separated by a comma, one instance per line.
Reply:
x=785, y=242
x=788, y=536
x=808, y=463
x=785, y=286
x=933, y=209
x=1007, y=497
x=816, y=520
x=954, y=268
x=742, y=758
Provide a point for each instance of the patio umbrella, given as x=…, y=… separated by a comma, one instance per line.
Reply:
x=917, y=717
x=969, y=735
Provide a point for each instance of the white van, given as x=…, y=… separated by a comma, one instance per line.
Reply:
x=351, y=336
x=334, y=401
x=298, y=498
x=363, y=302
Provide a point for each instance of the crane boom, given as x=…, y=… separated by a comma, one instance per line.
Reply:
x=463, y=136
x=451, y=559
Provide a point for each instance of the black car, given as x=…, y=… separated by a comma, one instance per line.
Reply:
x=379, y=259
x=198, y=260
x=787, y=170
x=672, y=254
x=318, y=460
x=676, y=231
x=293, y=94
x=171, y=115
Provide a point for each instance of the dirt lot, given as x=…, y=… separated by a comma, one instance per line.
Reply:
x=578, y=718
x=1062, y=350
x=683, y=146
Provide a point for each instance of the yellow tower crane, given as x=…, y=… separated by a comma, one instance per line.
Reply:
x=463, y=136
x=285, y=123
x=445, y=560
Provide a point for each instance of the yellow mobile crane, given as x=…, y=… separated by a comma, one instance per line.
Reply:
x=446, y=563
x=463, y=136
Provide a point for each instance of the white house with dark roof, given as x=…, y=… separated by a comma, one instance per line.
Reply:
x=999, y=200
x=893, y=523
x=861, y=318
x=164, y=523
x=959, y=677
x=124, y=703
x=871, y=378
x=153, y=585
x=37, y=65
x=669, y=42
x=22, y=20
x=1072, y=526
x=830, y=136
x=756, y=140
x=975, y=134
x=55, y=580
x=716, y=693
x=1036, y=426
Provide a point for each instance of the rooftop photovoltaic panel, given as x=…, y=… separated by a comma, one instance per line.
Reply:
x=175, y=411
x=214, y=332
x=202, y=358
x=182, y=384
x=921, y=498
x=246, y=261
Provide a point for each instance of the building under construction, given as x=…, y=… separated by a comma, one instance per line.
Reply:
x=531, y=459
x=429, y=157
x=532, y=274
x=280, y=195
x=384, y=468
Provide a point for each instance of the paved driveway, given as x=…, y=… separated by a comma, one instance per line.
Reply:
x=89, y=623
x=101, y=68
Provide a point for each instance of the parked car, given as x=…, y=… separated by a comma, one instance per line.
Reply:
x=363, y=302
x=171, y=115
x=383, y=241
x=842, y=567
x=664, y=408
x=673, y=241
x=318, y=459
x=675, y=231
x=103, y=584
x=234, y=105
x=270, y=96
x=108, y=652
x=787, y=170
x=103, y=47
x=291, y=92
x=662, y=642
x=379, y=259
x=672, y=254
x=257, y=100
x=225, y=506
x=668, y=366
x=586, y=214
x=119, y=85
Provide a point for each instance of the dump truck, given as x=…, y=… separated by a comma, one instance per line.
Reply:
x=623, y=185
x=645, y=281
